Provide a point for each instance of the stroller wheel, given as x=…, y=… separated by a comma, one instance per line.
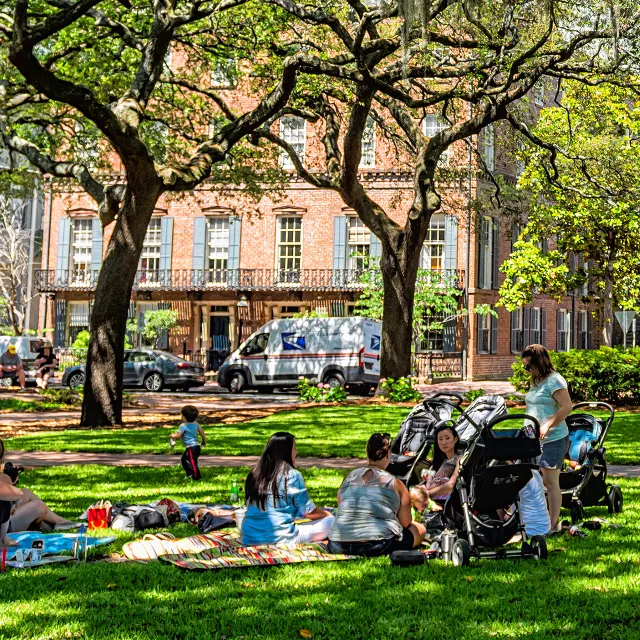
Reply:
x=460, y=553
x=614, y=499
x=538, y=546
x=577, y=511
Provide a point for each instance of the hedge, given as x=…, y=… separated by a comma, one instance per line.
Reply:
x=607, y=374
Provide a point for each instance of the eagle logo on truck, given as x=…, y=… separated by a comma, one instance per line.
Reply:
x=293, y=342
x=375, y=343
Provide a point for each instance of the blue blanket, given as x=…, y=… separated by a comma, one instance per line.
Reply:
x=54, y=543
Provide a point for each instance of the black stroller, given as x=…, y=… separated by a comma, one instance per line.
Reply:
x=416, y=435
x=584, y=481
x=496, y=465
x=410, y=448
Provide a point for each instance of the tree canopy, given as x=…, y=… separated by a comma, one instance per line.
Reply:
x=583, y=177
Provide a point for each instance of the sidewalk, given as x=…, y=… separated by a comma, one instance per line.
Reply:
x=59, y=459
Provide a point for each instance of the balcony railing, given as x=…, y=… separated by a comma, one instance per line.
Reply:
x=52, y=280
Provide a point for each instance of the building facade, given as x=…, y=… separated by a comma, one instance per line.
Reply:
x=227, y=268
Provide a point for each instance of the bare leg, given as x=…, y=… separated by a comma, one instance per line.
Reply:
x=419, y=532
x=44, y=513
x=551, y=478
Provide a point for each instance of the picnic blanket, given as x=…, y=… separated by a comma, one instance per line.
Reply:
x=223, y=550
x=54, y=543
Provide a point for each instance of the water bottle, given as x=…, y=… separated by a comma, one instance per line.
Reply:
x=234, y=493
x=172, y=444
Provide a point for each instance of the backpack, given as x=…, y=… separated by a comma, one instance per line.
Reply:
x=138, y=518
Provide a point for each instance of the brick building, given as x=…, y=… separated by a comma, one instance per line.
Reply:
x=227, y=268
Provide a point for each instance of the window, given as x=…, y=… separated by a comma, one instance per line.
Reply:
x=517, y=331
x=484, y=333
x=289, y=249
x=432, y=256
x=538, y=94
x=358, y=241
x=218, y=248
x=368, y=158
x=489, y=154
x=293, y=131
x=78, y=319
x=433, y=339
x=432, y=125
x=81, y=240
x=583, y=341
x=486, y=251
x=563, y=330
x=535, y=335
x=150, y=256
x=223, y=75
x=255, y=345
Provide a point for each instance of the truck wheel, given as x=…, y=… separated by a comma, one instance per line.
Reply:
x=334, y=380
x=237, y=383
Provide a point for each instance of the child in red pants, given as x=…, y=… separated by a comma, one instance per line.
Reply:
x=188, y=433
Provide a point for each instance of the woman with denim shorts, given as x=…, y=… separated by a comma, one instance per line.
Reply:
x=548, y=401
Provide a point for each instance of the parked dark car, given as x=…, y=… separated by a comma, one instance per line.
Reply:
x=154, y=370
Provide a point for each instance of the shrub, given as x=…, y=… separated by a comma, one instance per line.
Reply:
x=473, y=394
x=65, y=395
x=310, y=391
x=603, y=374
x=400, y=389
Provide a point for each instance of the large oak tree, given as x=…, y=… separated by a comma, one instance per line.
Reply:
x=82, y=72
x=472, y=63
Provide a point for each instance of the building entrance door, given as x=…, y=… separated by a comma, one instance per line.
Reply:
x=219, y=346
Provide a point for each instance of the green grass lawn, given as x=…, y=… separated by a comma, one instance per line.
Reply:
x=336, y=431
x=588, y=589
x=37, y=404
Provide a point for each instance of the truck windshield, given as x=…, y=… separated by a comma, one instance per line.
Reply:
x=256, y=345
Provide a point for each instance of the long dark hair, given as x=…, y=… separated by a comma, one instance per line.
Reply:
x=274, y=461
x=438, y=454
x=541, y=365
x=1, y=450
x=378, y=446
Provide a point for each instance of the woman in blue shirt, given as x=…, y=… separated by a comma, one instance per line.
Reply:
x=549, y=401
x=276, y=496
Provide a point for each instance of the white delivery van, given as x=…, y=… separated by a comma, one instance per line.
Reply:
x=337, y=351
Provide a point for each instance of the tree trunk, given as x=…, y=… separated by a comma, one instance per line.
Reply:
x=102, y=404
x=397, y=325
x=607, y=307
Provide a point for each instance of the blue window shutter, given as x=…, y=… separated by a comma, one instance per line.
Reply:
x=543, y=327
x=478, y=334
x=199, y=242
x=166, y=243
x=60, y=324
x=449, y=336
x=481, y=255
x=64, y=240
x=450, y=243
x=494, y=334
x=96, y=245
x=375, y=246
x=235, y=226
x=339, y=242
x=495, y=262
x=339, y=250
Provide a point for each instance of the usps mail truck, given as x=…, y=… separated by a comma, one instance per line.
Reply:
x=336, y=351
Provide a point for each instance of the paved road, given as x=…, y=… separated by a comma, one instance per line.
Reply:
x=57, y=459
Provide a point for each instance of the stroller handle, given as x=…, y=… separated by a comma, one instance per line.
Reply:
x=595, y=405
x=445, y=394
x=518, y=416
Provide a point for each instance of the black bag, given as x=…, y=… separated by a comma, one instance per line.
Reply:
x=138, y=518
x=12, y=471
x=209, y=523
x=411, y=558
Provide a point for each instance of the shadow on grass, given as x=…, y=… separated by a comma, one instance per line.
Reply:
x=589, y=590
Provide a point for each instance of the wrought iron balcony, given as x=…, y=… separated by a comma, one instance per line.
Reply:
x=52, y=280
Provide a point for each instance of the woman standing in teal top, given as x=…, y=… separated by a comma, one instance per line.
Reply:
x=549, y=401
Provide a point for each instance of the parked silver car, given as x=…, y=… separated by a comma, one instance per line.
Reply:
x=149, y=368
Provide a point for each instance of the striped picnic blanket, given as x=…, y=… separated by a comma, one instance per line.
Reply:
x=223, y=550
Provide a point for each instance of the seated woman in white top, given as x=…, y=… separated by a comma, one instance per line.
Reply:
x=374, y=509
